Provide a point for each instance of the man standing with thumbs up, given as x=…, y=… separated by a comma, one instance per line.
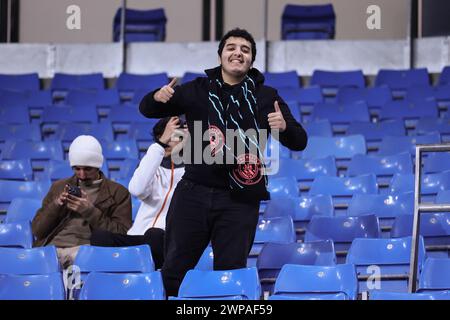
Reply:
x=218, y=201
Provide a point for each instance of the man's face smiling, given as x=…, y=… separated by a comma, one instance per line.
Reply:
x=236, y=59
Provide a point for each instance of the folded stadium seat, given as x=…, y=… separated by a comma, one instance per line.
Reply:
x=428, y=125
x=320, y=128
x=66, y=132
x=38, y=152
x=121, y=118
x=21, y=189
x=140, y=25
x=237, y=284
x=206, y=261
x=380, y=295
x=343, y=188
x=445, y=76
x=384, y=167
x=102, y=98
x=62, y=83
x=399, y=80
x=20, y=132
x=189, y=76
x=342, y=230
x=430, y=183
x=391, y=145
x=22, y=209
x=375, y=97
x=115, y=152
x=282, y=187
x=16, y=235
x=409, y=111
x=340, y=115
x=31, y=99
x=383, y=264
x=32, y=287
x=300, y=209
x=16, y=170
x=123, y=286
x=305, y=170
x=142, y=132
x=277, y=230
x=435, y=276
x=300, y=282
x=281, y=80
x=434, y=228
x=307, y=98
x=128, y=83
x=20, y=82
x=385, y=206
x=436, y=162
x=332, y=81
x=41, y=260
x=15, y=115
x=342, y=148
x=308, y=22
x=61, y=169
x=374, y=132
x=274, y=256
x=52, y=116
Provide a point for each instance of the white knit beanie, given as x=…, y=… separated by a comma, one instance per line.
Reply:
x=85, y=151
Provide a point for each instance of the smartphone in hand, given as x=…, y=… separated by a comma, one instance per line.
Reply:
x=74, y=191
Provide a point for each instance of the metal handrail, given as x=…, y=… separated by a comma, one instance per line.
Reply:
x=419, y=208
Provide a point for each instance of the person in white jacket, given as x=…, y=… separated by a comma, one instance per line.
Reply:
x=153, y=182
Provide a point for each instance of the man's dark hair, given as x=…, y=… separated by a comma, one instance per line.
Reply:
x=238, y=33
x=159, y=127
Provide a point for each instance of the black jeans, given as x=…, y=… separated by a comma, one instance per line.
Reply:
x=198, y=215
x=154, y=237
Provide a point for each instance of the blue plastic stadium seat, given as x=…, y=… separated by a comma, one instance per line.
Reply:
x=391, y=145
x=384, y=167
x=409, y=111
x=339, y=147
x=22, y=209
x=342, y=230
x=20, y=132
x=16, y=170
x=375, y=97
x=41, y=260
x=428, y=125
x=124, y=169
x=32, y=287
x=25, y=189
x=18, y=115
x=287, y=79
x=123, y=116
x=321, y=128
x=300, y=282
x=64, y=82
x=68, y=131
x=114, y=150
x=385, y=206
x=435, y=275
x=445, y=76
x=282, y=187
x=141, y=25
x=274, y=256
x=206, y=261
x=301, y=22
x=128, y=83
x=216, y=285
x=436, y=162
x=431, y=183
x=20, y=82
x=56, y=114
x=400, y=80
x=387, y=258
x=189, y=76
x=123, y=286
x=380, y=295
x=332, y=81
x=33, y=150
x=17, y=235
x=434, y=227
x=307, y=98
x=101, y=97
x=29, y=99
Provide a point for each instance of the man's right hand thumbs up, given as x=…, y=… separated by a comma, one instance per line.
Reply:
x=165, y=93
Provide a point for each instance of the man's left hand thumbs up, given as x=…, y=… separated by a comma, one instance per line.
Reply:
x=276, y=120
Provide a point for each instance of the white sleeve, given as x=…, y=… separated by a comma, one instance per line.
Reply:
x=141, y=183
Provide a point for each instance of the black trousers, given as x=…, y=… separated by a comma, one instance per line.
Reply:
x=154, y=237
x=198, y=215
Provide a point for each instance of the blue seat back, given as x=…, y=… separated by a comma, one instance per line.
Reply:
x=380, y=165
x=282, y=187
x=189, y=76
x=431, y=225
x=15, y=115
x=206, y=261
x=337, y=79
x=133, y=82
x=315, y=280
x=435, y=275
x=32, y=287
x=431, y=183
x=381, y=295
x=321, y=128
x=402, y=79
x=382, y=205
x=277, y=229
x=394, y=144
x=66, y=82
x=307, y=169
x=376, y=131
x=34, y=150
x=287, y=79
x=17, y=235
x=337, y=186
x=20, y=82
x=23, y=189
x=200, y=284
x=339, y=147
x=341, y=113
x=22, y=209
x=123, y=286
x=42, y=260
x=20, y=132
x=16, y=170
